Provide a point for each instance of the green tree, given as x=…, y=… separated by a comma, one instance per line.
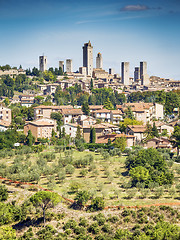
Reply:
x=139, y=174
x=7, y=233
x=45, y=200
x=3, y=193
x=175, y=138
x=81, y=198
x=120, y=143
x=30, y=139
x=148, y=132
x=6, y=101
x=78, y=133
x=97, y=204
x=154, y=130
x=91, y=84
x=128, y=113
x=92, y=135
x=85, y=108
x=108, y=104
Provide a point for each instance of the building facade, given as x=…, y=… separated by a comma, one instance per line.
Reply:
x=143, y=74
x=99, y=61
x=69, y=67
x=61, y=65
x=125, y=73
x=88, y=57
x=42, y=63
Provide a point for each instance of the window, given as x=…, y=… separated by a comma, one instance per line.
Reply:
x=70, y=128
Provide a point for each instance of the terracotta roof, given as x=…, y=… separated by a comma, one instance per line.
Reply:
x=102, y=111
x=104, y=138
x=137, y=128
x=54, y=107
x=116, y=111
x=72, y=111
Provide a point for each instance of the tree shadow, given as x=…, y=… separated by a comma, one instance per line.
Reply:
x=28, y=223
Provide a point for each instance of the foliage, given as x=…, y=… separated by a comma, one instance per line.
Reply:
x=108, y=105
x=85, y=108
x=81, y=198
x=151, y=160
x=30, y=139
x=45, y=200
x=92, y=135
x=97, y=204
x=176, y=138
x=7, y=233
x=120, y=143
x=3, y=193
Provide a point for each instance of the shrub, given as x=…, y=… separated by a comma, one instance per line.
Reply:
x=61, y=175
x=159, y=192
x=93, y=228
x=3, y=193
x=131, y=193
x=69, y=169
x=70, y=224
x=97, y=204
x=83, y=222
x=106, y=228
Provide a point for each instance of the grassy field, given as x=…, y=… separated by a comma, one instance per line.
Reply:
x=105, y=178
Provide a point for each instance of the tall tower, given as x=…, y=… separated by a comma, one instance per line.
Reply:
x=143, y=74
x=69, y=65
x=125, y=73
x=88, y=57
x=61, y=65
x=42, y=63
x=99, y=61
x=136, y=73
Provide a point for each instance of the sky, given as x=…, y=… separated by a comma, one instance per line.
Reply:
x=122, y=30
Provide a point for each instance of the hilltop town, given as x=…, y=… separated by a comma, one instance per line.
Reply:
x=85, y=142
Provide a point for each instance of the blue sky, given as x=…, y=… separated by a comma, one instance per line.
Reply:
x=124, y=30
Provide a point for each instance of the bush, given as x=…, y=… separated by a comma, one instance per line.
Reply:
x=131, y=193
x=94, y=228
x=69, y=169
x=70, y=224
x=3, y=193
x=97, y=204
x=159, y=192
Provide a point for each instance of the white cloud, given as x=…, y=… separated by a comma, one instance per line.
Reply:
x=135, y=8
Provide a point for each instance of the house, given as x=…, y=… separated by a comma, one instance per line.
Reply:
x=95, y=107
x=164, y=126
x=5, y=116
x=86, y=120
x=136, y=130
x=3, y=126
x=102, y=114
x=161, y=142
x=116, y=116
x=145, y=112
x=43, y=111
x=41, y=128
x=99, y=131
x=51, y=88
x=27, y=100
x=130, y=139
x=70, y=129
x=70, y=114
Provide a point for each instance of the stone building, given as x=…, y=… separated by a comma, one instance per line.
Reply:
x=41, y=128
x=125, y=73
x=42, y=63
x=99, y=61
x=69, y=67
x=88, y=58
